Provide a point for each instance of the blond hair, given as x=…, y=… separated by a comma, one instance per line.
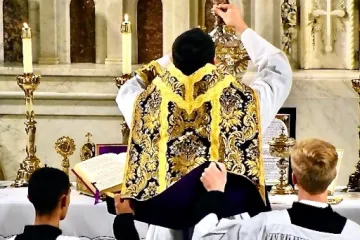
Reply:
x=314, y=164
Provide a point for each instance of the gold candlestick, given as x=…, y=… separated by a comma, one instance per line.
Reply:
x=354, y=179
x=280, y=147
x=126, y=45
x=65, y=146
x=28, y=82
x=231, y=56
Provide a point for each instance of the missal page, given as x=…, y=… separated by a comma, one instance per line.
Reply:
x=104, y=171
x=274, y=130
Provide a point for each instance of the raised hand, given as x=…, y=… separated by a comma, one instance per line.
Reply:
x=231, y=16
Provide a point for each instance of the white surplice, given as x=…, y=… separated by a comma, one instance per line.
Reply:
x=268, y=226
x=272, y=82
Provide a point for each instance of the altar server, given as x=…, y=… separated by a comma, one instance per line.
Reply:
x=49, y=192
x=311, y=218
x=230, y=102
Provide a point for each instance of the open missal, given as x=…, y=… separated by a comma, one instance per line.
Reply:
x=102, y=173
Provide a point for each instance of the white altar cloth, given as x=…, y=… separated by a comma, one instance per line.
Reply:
x=92, y=222
x=349, y=207
x=84, y=219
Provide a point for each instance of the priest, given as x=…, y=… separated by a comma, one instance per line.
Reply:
x=185, y=113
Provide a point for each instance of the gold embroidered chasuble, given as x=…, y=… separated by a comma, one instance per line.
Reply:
x=182, y=121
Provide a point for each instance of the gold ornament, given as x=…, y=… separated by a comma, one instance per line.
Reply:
x=280, y=147
x=231, y=56
x=65, y=146
x=28, y=83
x=87, y=151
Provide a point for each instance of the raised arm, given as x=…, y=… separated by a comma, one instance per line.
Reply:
x=274, y=75
x=273, y=79
x=129, y=92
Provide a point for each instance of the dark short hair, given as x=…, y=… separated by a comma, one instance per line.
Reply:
x=192, y=50
x=46, y=186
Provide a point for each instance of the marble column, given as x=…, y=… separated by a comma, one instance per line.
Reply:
x=114, y=20
x=266, y=20
x=48, y=33
x=34, y=23
x=306, y=53
x=100, y=30
x=168, y=15
x=245, y=7
x=63, y=31
x=195, y=13
x=1, y=31
x=176, y=19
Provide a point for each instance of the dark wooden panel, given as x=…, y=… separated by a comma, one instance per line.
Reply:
x=150, y=30
x=82, y=31
x=16, y=12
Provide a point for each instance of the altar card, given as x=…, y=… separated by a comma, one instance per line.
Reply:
x=110, y=148
x=285, y=119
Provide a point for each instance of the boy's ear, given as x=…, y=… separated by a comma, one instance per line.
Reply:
x=63, y=200
x=294, y=180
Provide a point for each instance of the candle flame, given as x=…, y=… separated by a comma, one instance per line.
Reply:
x=126, y=18
x=26, y=25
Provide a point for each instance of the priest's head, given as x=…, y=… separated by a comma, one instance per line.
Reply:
x=49, y=192
x=314, y=166
x=192, y=50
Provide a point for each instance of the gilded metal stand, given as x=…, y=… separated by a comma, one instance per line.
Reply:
x=65, y=146
x=119, y=81
x=354, y=179
x=28, y=83
x=280, y=147
x=231, y=56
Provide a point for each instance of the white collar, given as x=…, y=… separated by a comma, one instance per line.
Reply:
x=314, y=204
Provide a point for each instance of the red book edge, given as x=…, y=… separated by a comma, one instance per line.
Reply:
x=77, y=175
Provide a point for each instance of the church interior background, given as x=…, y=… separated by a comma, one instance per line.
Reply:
x=76, y=47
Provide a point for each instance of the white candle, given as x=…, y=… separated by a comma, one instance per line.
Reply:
x=27, y=49
x=126, y=45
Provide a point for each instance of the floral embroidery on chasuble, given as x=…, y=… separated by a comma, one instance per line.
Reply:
x=182, y=121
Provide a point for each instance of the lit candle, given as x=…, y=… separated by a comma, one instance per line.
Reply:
x=27, y=48
x=126, y=45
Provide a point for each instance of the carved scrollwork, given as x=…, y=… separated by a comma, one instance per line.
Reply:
x=289, y=21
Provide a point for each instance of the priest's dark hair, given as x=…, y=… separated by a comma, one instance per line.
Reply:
x=46, y=187
x=192, y=50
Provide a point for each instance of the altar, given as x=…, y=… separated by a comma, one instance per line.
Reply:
x=92, y=222
x=349, y=207
x=76, y=94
